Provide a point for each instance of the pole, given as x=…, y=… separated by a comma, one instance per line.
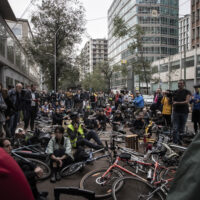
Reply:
x=184, y=65
x=55, y=83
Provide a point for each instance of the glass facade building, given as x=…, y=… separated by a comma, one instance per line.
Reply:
x=158, y=19
x=15, y=64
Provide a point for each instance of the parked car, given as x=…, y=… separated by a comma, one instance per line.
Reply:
x=148, y=99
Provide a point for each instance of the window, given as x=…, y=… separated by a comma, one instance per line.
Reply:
x=189, y=62
x=175, y=65
x=155, y=69
x=164, y=68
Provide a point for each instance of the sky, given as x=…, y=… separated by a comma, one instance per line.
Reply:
x=95, y=9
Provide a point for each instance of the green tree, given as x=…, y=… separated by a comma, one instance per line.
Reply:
x=101, y=77
x=139, y=64
x=57, y=27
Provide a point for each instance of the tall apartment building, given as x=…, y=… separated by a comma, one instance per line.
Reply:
x=195, y=11
x=94, y=51
x=185, y=33
x=159, y=20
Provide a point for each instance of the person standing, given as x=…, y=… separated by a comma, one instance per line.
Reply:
x=167, y=108
x=3, y=108
x=34, y=105
x=139, y=102
x=181, y=100
x=15, y=96
x=195, y=100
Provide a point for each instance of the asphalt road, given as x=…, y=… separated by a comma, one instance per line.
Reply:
x=74, y=180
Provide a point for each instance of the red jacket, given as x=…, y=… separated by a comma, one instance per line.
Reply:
x=108, y=111
x=13, y=183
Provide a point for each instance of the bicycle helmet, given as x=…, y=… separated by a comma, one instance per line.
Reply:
x=74, y=116
x=118, y=112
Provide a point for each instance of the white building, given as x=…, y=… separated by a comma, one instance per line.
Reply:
x=167, y=71
x=185, y=33
x=94, y=51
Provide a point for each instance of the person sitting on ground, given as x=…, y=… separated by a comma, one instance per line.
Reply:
x=59, y=149
x=118, y=120
x=56, y=105
x=101, y=120
x=13, y=183
x=30, y=171
x=108, y=110
x=57, y=117
x=138, y=124
x=79, y=136
x=45, y=109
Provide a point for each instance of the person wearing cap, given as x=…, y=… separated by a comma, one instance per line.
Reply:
x=79, y=136
x=195, y=101
x=59, y=149
x=139, y=102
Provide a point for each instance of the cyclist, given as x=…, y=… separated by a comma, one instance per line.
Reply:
x=59, y=148
x=101, y=120
x=139, y=102
x=79, y=136
x=118, y=120
x=30, y=171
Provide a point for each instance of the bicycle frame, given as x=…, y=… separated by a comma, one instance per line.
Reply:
x=116, y=165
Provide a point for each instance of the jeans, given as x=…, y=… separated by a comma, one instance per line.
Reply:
x=179, y=122
x=13, y=122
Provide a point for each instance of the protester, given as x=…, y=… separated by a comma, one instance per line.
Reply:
x=30, y=171
x=13, y=183
x=195, y=101
x=15, y=96
x=59, y=149
x=167, y=108
x=139, y=102
x=181, y=100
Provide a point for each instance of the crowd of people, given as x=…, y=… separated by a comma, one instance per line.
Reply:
x=87, y=113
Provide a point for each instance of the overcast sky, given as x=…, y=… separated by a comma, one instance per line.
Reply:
x=95, y=9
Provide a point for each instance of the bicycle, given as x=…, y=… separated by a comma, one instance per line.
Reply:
x=75, y=167
x=30, y=154
x=101, y=180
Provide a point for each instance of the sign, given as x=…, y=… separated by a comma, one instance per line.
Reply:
x=123, y=61
x=154, y=13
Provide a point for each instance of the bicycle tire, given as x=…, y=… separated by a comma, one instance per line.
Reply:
x=168, y=174
x=101, y=191
x=44, y=166
x=71, y=169
x=134, y=188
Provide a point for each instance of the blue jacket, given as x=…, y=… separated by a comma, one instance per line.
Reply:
x=196, y=106
x=139, y=102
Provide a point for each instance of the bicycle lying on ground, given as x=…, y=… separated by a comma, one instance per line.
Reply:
x=32, y=154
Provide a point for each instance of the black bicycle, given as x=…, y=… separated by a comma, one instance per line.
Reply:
x=75, y=167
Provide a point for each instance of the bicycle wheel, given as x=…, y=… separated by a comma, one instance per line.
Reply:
x=44, y=166
x=168, y=174
x=101, y=186
x=134, y=188
x=71, y=169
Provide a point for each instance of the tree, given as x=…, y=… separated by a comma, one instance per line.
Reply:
x=57, y=27
x=140, y=66
x=101, y=77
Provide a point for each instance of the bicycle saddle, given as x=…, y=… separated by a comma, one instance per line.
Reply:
x=125, y=156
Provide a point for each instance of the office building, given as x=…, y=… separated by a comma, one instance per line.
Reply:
x=159, y=20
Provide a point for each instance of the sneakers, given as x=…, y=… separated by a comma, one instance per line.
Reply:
x=53, y=178
x=58, y=177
